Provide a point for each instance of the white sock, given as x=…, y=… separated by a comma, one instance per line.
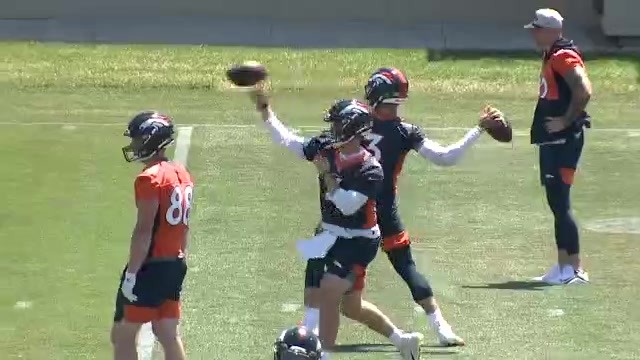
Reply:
x=311, y=319
x=567, y=272
x=396, y=337
x=435, y=319
x=325, y=356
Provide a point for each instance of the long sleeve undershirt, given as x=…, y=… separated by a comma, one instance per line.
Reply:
x=282, y=135
x=347, y=201
x=448, y=155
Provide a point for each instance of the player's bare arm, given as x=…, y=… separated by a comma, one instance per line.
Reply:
x=580, y=86
x=142, y=233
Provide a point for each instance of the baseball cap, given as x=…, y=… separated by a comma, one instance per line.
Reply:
x=546, y=18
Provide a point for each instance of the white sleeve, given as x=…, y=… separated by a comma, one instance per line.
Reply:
x=282, y=135
x=449, y=155
x=347, y=201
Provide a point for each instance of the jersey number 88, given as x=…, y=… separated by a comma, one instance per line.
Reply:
x=180, y=207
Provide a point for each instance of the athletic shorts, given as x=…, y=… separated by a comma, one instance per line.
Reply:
x=349, y=259
x=158, y=287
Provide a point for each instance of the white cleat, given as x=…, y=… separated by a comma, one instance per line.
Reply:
x=552, y=277
x=410, y=346
x=580, y=277
x=446, y=336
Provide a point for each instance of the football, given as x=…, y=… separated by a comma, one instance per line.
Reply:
x=500, y=130
x=248, y=73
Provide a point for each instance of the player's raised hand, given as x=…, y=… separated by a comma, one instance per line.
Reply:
x=489, y=116
x=494, y=123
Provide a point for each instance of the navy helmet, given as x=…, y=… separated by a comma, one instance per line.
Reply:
x=297, y=343
x=386, y=86
x=150, y=132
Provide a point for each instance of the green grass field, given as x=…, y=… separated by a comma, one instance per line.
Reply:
x=479, y=228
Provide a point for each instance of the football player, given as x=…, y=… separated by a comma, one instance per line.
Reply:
x=151, y=282
x=391, y=138
x=558, y=129
x=352, y=304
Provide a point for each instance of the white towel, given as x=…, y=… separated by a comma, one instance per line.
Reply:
x=317, y=246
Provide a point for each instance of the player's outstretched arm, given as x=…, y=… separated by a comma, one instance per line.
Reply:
x=451, y=155
x=280, y=134
x=448, y=155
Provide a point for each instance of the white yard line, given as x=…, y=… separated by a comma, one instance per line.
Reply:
x=183, y=143
x=309, y=127
x=146, y=339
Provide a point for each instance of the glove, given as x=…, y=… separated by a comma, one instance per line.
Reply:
x=316, y=145
x=127, y=286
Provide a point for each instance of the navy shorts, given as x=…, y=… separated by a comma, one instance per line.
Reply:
x=158, y=286
x=349, y=259
x=560, y=161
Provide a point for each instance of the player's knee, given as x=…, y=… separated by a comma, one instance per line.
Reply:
x=349, y=312
x=166, y=331
x=418, y=284
x=333, y=287
x=558, y=197
x=351, y=306
x=401, y=260
x=123, y=336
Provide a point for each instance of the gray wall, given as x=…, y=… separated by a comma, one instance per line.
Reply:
x=621, y=18
x=435, y=24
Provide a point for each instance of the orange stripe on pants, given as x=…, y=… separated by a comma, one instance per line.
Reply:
x=396, y=241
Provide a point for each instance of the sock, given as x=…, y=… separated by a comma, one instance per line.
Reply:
x=396, y=337
x=325, y=355
x=567, y=272
x=435, y=319
x=311, y=319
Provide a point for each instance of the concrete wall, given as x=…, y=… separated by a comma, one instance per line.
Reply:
x=433, y=24
x=621, y=18
x=388, y=11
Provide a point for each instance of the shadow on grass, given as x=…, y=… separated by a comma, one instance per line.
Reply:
x=387, y=348
x=511, y=285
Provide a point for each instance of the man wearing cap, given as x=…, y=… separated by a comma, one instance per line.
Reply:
x=558, y=127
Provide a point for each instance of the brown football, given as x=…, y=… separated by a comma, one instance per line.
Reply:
x=248, y=73
x=501, y=131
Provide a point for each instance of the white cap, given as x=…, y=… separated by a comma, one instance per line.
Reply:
x=546, y=18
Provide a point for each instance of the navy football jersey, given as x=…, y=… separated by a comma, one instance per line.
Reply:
x=364, y=177
x=390, y=141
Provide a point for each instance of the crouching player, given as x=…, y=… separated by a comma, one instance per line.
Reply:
x=352, y=304
x=151, y=282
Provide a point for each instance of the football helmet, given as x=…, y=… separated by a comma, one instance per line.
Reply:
x=386, y=86
x=150, y=132
x=348, y=119
x=297, y=343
